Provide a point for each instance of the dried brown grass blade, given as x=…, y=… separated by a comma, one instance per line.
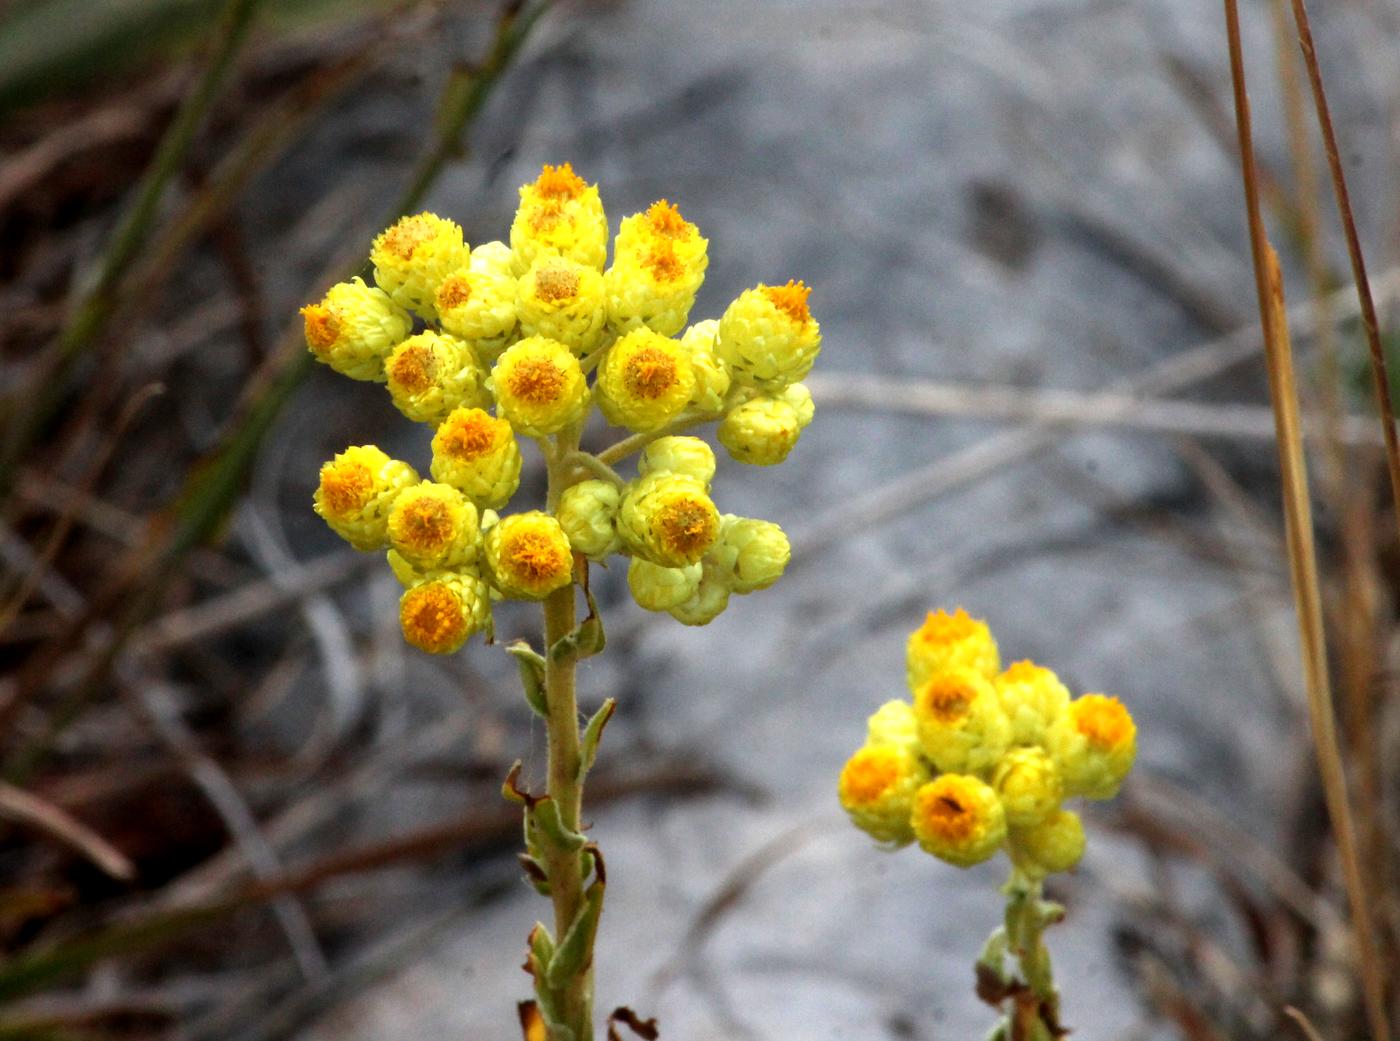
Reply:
x=19, y=806
x=1302, y=556
x=1304, y=1023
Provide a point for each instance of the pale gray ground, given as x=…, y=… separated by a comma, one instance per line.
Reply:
x=1013, y=192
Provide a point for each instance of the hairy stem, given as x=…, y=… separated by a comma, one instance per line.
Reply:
x=565, y=867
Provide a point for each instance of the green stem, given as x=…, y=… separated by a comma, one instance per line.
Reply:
x=587, y=462
x=1027, y=917
x=565, y=867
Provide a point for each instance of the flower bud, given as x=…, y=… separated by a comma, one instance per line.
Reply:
x=668, y=519
x=562, y=300
x=961, y=724
x=708, y=601
x=877, y=789
x=768, y=337
x=357, y=489
x=431, y=374
x=658, y=265
x=559, y=215
x=752, y=554
x=644, y=381
x=539, y=386
x=711, y=375
x=958, y=819
x=761, y=432
x=1055, y=844
x=432, y=526
x=685, y=456
x=945, y=641
x=353, y=328
x=894, y=723
x=588, y=514
x=1029, y=786
x=1094, y=743
x=477, y=454
x=658, y=588
x=528, y=555
x=1032, y=698
x=440, y=612
x=413, y=256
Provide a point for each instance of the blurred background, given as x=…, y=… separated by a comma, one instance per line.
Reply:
x=238, y=808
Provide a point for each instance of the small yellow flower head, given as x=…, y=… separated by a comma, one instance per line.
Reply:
x=768, y=337
x=493, y=258
x=559, y=215
x=662, y=588
x=687, y=456
x=1032, y=697
x=799, y=398
x=877, y=789
x=658, y=265
x=958, y=819
x=563, y=300
x=760, y=432
x=353, y=328
x=588, y=514
x=1094, y=743
x=477, y=305
x=528, y=555
x=431, y=374
x=751, y=554
x=668, y=519
x=539, y=386
x=439, y=613
x=414, y=255
x=708, y=601
x=894, y=723
x=1029, y=786
x=711, y=375
x=645, y=381
x=961, y=724
x=357, y=490
x=1055, y=844
x=946, y=640
x=477, y=454
x=433, y=526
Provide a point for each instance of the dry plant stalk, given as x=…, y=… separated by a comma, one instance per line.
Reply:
x=1302, y=556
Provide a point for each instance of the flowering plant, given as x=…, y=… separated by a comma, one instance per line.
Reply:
x=490, y=344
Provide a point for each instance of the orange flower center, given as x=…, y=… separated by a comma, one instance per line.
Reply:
x=868, y=775
x=469, y=437
x=322, y=327
x=663, y=263
x=947, y=812
x=432, y=617
x=534, y=557
x=559, y=182
x=1024, y=672
x=791, y=299
x=346, y=487
x=454, y=292
x=947, y=697
x=407, y=235
x=536, y=380
x=556, y=283
x=426, y=523
x=940, y=627
x=650, y=372
x=415, y=368
x=687, y=526
x=665, y=219
x=1103, y=720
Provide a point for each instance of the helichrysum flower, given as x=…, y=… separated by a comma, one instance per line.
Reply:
x=668, y=519
x=413, y=256
x=1055, y=844
x=686, y=456
x=894, y=723
x=708, y=601
x=434, y=526
x=958, y=819
x=644, y=381
x=356, y=492
x=961, y=724
x=750, y=553
x=658, y=588
x=528, y=555
x=539, y=386
x=761, y=432
x=1032, y=697
x=440, y=612
x=559, y=215
x=431, y=374
x=712, y=377
x=658, y=265
x=563, y=300
x=477, y=303
x=353, y=328
x=1029, y=786
x=477, y=454
x=877, y=790
x=588, y=514
x=1094, y=743
x=799, y=399
x=768, y=337
x=947, y=640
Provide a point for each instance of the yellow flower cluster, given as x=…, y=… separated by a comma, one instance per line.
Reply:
x=981, y=759
x=497, y=342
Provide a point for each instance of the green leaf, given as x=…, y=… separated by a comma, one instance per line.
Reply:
x=592, y=734
x=531, y=666
x=575, y=951
x=545, y=814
